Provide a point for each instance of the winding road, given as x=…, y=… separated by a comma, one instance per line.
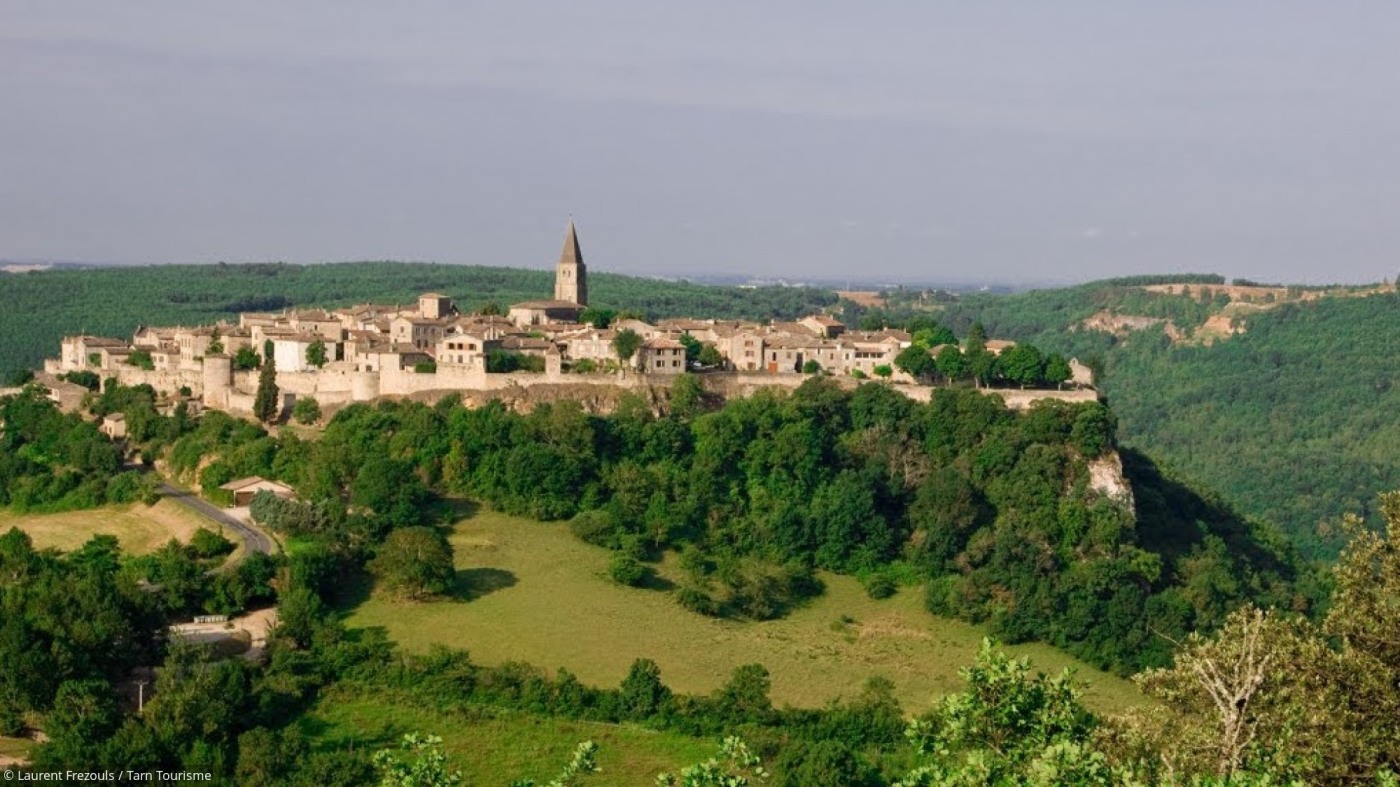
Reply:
x=254, y=540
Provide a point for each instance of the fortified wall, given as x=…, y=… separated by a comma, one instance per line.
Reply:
x=339, y=383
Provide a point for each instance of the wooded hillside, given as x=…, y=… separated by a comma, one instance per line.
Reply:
x=1291, y=420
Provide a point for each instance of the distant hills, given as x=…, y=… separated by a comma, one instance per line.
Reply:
x=1281, y=398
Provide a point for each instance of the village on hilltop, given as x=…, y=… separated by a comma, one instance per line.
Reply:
x=363, y=352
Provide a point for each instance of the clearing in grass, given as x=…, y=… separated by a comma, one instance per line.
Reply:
x=139, y=528
x=529, y=591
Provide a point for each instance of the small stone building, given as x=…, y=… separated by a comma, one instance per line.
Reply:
x=245, y=488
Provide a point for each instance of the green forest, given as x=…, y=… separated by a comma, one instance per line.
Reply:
x=987, y=509
x=42, y=307
x=1289, y=420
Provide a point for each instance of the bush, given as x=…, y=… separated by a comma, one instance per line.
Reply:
x=124, y=487
x=759, y=590
x=697, y=600
x=86, y=379
x=306, y=410
x=627, y=570
x=11, y=721
x=879, y=585
x=206, y=544
x=596, y=527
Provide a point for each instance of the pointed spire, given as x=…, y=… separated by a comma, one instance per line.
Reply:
x=571, y=254
x=570, y=274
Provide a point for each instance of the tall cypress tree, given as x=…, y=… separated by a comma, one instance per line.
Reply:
x=265, y=402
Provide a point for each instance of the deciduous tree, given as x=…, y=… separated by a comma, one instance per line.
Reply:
x=414, y=562
x=626, y=343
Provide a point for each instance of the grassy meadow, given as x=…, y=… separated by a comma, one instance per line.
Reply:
x=529, y=591
x=139, y=528
x=493, y=746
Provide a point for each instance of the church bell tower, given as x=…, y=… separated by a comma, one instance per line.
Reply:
x=570, y=274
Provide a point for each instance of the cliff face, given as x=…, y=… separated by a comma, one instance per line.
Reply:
x=1106, y=478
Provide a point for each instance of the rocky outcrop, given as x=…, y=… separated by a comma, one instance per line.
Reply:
x=1106, y=478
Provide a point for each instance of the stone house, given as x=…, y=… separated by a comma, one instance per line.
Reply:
x=642, y=328
x=743, y=347
x=290, y=352
x=661, y=355
x=824, y=326
x=525, y=345
x=318, y=323
x=83, y=352
x=244, y=489
x=865, y=351
x=544, y=312
x=113, y=425
x=592, y=344
x=365, y=317
x=376, y=356
x=701, y=330
x=421, y=332
x=462, y=348
x=435, y=306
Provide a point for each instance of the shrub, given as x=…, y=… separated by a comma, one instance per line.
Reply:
x=879, y=585
x=627, y=570
x=206, y=544
x=697, y=600
x=86, y=379
x=306, y=410
x=595, y=527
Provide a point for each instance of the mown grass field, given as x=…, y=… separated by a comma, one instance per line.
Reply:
x=139, y=528
x=495, y=747
x=531, y=592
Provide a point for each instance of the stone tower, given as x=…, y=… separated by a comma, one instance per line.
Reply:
x=570, y=274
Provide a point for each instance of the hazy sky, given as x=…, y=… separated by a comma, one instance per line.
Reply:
x=972, y=140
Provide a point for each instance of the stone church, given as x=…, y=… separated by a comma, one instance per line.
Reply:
x=570, y=289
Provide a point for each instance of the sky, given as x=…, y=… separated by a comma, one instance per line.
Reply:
x=926, y=140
